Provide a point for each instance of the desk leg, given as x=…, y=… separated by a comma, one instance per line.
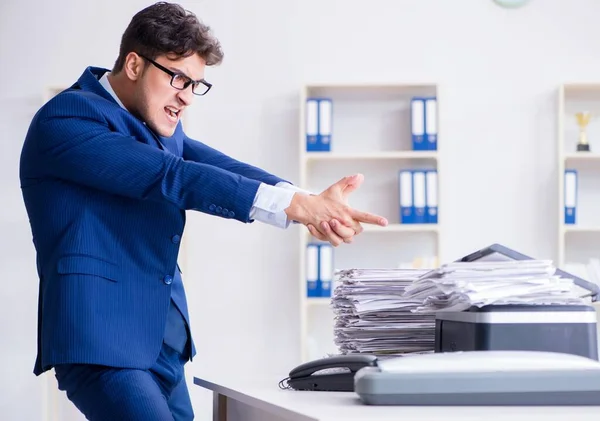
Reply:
x=219, y=407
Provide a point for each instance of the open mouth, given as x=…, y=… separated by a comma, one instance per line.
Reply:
x=172, y=113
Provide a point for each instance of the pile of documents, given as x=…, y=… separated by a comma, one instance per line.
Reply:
x=373, y=317
x=460, y=285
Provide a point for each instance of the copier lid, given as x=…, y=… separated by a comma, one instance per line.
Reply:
x=487, y=361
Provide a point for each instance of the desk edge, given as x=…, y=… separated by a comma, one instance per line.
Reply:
x=288, y=414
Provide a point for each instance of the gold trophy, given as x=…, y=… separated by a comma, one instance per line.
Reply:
x=583, y=119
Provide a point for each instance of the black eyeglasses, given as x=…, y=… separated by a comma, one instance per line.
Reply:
x=180, y=81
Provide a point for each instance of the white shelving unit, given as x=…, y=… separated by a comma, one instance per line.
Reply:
x=371, y=134
x=579, y=242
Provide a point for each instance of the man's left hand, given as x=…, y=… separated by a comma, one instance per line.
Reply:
x=336, y=231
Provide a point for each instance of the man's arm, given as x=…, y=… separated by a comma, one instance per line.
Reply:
x=276, y=206
x=274, y=194
x=196, y=151
x=73, y=142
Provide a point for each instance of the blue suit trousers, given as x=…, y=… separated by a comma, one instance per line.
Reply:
x=107, y=393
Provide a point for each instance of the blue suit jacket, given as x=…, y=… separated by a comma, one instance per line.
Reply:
x=106, y=203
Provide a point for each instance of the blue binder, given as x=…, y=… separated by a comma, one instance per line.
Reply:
x=326, y=269
x=431, y=203
x=431, y=123
x=570, y=198
x=313, y=286
x=405, y=192
x=419, y=196
x=417, y=118
x=325, y=124
x=312, y=124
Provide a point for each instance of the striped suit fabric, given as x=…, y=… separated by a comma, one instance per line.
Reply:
x=106, y=202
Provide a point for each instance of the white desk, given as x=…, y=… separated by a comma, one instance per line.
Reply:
x=252, y=399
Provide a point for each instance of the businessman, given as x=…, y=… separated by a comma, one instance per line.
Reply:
x=107, y=174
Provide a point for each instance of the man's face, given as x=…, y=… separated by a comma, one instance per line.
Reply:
x=158, y=103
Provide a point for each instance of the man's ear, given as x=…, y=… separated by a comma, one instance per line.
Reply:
x=134, y=66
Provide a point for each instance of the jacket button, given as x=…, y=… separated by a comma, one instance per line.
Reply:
x=219, y=208
x=176, y=239
x=225, y=211
x=231, y=214
x=211, y=207
x=168, y=279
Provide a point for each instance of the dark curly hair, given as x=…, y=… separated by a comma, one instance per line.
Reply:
x=167, y=28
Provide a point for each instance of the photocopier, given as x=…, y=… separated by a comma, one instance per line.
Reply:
x=569, y=329
x=497, y=355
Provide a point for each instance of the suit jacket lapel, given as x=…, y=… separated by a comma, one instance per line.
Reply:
x=175, y=142
x=89, y=81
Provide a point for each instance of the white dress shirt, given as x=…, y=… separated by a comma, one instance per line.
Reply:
x=269, y=203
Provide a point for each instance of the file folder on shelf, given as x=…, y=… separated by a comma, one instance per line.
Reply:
x=325, y=123
x=312, y=124
x=405, y=190
x=313, y=285
x=431, y=187
x=326, y=269
x=319, y=270
x=419, y=196
x=431, y=126
x=417, y=118
x=570, y=199
x=319, y=116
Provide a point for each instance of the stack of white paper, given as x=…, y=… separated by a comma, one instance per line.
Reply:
x=460, y=285
x=373, y=317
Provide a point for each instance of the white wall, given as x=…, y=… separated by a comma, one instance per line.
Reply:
x=498, y=71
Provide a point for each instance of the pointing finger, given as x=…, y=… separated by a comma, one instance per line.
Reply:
x=368, y=218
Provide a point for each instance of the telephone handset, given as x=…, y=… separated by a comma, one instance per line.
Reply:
x=328, y=374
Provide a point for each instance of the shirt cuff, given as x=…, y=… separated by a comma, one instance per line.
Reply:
x=270, y=203
x=286, y=185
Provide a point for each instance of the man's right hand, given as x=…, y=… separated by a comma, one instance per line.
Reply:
x=328, y=215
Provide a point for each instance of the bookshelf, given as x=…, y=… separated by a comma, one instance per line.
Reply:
x=371, y=134
x=579, y=242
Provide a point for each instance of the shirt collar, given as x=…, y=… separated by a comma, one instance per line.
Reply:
x=106, y=85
